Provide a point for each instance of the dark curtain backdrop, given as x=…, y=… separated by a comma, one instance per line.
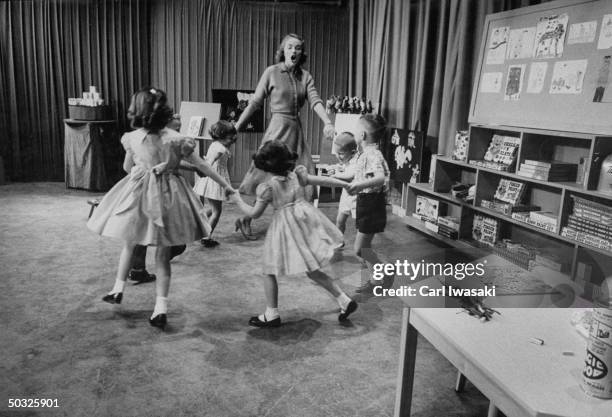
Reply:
x=416, y=59
x=200, y=45
x=55, y=49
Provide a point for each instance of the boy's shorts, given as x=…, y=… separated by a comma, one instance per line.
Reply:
x=371, y=212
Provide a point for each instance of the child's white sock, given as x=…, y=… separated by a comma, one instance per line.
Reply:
x=343, y=300
x=270, y=314
x=119, y=286
x=161, y=306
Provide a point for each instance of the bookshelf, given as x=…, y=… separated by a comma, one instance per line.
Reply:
x=584, y=262
x=571, y=131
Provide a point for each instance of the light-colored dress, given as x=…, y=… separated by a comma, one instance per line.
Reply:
x=205, y=186
x=149, y=209
x=300, y=238
x=286, y=92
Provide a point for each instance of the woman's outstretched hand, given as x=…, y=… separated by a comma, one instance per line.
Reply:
x=231, y=193
x=329, y=131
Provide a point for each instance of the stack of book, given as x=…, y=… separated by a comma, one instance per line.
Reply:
x=555, y=171
x=507, y=208
x=448, y=227
x=540, y=219
x=590, y=223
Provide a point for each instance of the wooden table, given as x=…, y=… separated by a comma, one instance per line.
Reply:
x=84, y=165
x=519, y=378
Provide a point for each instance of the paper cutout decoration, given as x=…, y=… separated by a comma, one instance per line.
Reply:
x=491, y=82
x=514, y=83
x=605, y=35
x=550, y=36
x=520, y=43
x=583, y=32
x=537, y=74
x=405, y=154
x=603, y=77
x=568, y=77
x=461, y=146
x=497, y=46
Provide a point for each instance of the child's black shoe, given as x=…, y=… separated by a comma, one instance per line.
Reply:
x=256, y=322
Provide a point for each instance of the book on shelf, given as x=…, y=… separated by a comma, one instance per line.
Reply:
x=507, y=208
x=449, y=222
x=195, y=127
x=548, y=164
x=525, y=218
x=501, y=153
x=586, y=238
x=461, y=146
x=545, y=217
x=507, y=153
x=494, y=147
x=485, y=229
x=509, y=191
x=427, y=207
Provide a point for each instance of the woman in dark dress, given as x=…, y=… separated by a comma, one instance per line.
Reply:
x=287, y=86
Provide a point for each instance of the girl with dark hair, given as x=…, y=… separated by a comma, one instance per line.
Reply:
x=224, y=136
x=287, y=86
x=300, y=237
x=153, y=205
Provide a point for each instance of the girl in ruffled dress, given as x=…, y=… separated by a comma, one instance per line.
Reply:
x=300, y=237
x=153, y=205
x=224, y=136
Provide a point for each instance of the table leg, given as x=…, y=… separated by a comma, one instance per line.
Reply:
x=492, y=410
x=405, y=375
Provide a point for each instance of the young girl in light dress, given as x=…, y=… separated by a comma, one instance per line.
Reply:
x=224, y=136
x=153, y=205
x=300, y=237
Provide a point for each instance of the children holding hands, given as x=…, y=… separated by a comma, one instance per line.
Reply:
x=153, y=205
x=370, y=184
x=300, y=238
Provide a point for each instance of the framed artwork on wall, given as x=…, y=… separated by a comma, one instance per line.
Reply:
x=233, y=103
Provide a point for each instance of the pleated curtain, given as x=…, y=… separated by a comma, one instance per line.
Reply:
x=416, y=59
x=198, y=46
x=55, y=49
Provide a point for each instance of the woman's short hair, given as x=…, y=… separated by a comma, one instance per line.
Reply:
x=280, y=52
x=149, y=109
x=275, y=157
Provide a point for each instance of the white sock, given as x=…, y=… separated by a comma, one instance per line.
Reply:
x=161, y=306
x=119, y=286
x=343, y=300
x=269, y=315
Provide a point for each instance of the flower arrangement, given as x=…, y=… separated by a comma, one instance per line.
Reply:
x=346, y=104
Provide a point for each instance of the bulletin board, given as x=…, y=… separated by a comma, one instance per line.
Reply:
x=548, y=67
